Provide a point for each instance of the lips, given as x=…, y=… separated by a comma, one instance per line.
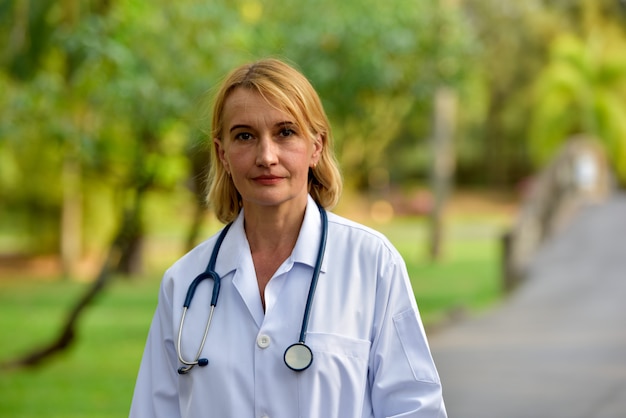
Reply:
x=267, y=180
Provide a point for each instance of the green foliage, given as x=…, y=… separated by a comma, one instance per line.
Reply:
x=103, y=98
x=583, y=90
x=110, y=84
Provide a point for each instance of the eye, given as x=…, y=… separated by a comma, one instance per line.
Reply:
x=243, y=136
x=286, y=132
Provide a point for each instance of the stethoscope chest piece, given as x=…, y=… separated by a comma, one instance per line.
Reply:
x=298, y=357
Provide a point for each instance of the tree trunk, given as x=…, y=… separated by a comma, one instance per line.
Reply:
x=131, y=235
x=199, y=157
x=443, y=158
x=71, y=216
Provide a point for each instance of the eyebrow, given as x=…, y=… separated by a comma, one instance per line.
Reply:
x=276, y=125
x=234, y=127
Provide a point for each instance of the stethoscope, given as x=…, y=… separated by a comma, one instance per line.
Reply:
x=298, y=356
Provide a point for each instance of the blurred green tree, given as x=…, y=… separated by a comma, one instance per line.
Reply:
x=583, y=91
x=376, y=66
x=582, y=87
x=509, y=52
x=102, y=100
x=41, y=62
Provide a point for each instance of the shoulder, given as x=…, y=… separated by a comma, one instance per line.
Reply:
x=194, y=261
x=365, y=259
x=358, y=236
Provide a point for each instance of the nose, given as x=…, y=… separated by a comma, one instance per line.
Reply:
x=266, y=152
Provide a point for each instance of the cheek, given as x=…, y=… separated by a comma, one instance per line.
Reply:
x=237, y=163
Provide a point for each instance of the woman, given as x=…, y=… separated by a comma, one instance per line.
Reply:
x=273, y=174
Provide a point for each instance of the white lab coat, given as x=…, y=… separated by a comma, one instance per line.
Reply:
x=371, y=357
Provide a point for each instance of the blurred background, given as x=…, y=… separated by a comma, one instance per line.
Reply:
x=445, y=113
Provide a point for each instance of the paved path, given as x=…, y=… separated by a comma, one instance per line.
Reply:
x=556, y=348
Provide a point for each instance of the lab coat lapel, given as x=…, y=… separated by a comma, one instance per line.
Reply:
x=307, y=245
x=235, y=256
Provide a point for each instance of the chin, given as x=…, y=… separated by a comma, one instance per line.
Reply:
x=269, y=200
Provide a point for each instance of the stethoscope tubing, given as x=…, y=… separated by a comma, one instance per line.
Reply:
x=210, y=273
x=316, y=274
x=190, y=364
x=217, y=281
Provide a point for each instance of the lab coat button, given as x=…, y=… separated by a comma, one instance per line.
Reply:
x=263, y=341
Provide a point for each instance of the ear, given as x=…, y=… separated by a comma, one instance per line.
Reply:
x=318, y=146
x=221, y=153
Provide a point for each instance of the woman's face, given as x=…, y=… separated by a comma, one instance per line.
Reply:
x=267, y=155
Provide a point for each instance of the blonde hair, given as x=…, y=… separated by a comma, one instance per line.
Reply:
x=281, y=85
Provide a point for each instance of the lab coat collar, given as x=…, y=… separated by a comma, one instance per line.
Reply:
x=307, y=245
x=235, y=244
x=235, y=254
x=305, y=251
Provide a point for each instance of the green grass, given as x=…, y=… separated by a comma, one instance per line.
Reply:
x=95, y=377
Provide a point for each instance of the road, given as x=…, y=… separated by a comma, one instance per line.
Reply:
x=556, y=347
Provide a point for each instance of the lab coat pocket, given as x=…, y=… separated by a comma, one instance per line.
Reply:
x=336, y=380
x=338, y=345
x=414, y=345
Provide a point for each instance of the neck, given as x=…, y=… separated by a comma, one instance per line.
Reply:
x=272, y=233
x=271, y=229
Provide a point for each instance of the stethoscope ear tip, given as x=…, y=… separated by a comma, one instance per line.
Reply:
x=203, y=362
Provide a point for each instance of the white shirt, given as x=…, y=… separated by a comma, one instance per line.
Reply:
x=371, y=357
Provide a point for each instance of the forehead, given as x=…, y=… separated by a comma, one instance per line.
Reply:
x=249, y=105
